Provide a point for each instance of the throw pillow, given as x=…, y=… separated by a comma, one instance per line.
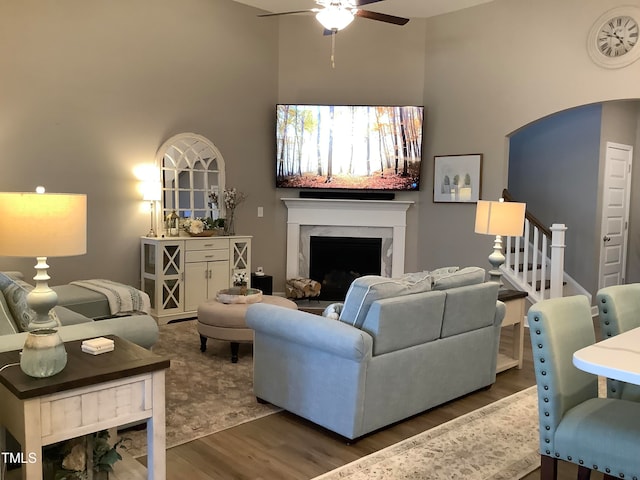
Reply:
x=369, y=288
x=7, y=325
x=15, y=293
x=333, y=311
x=460, y=278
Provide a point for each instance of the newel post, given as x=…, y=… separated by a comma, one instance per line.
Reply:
x=557, y=259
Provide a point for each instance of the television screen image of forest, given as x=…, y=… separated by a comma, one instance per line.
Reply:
x=349, y=147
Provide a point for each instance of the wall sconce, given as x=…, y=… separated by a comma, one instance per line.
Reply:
x=500, y=219
x=152, y=192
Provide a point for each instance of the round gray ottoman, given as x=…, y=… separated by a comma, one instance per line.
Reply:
x=226, y=321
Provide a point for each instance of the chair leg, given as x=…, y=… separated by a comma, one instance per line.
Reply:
x=548, y=468
x=234, y=352
x=584, y=473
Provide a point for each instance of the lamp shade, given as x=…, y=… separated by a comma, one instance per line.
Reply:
x=334, y=18
x=500, y=218
x=152, y=191
x=43, y=224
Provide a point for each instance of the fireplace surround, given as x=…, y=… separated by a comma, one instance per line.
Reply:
x=384, y=219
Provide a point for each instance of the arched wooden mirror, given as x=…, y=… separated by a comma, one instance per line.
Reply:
x=191, y=168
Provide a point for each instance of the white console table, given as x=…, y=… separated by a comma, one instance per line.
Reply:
x=179, y=273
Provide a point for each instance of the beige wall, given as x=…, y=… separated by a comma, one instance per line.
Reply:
x=90, y=89
x=491, y=70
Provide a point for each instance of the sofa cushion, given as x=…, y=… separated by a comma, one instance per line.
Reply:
x=7, y=325
x=15, y=293
x=458, y=278
x=369, y=288
x=402, y=322
x=469, y=308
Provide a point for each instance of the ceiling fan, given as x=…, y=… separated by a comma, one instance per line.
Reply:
x=337, y=14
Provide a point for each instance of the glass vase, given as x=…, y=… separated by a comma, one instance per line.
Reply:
x=229, y=224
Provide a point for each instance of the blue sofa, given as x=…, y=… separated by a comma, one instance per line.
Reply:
x=136, y=327
x=399, y=347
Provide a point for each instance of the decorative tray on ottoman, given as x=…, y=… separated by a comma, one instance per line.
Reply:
x=239, y=295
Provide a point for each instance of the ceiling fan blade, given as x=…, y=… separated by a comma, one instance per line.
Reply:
x=381, y=17
x=287, y=13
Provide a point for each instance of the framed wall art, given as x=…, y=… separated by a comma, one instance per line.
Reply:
x=457, y=178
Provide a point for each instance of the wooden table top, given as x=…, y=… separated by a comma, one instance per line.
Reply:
x=82, y=369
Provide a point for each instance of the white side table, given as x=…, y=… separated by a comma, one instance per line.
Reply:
x=514, y=301
x=92, y=393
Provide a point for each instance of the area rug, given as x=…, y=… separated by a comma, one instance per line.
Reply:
x=205, y=392
x=497, y=442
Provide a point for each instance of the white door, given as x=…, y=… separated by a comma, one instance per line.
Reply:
x=615, y=214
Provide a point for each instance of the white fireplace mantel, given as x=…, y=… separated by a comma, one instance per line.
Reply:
x=346, y=213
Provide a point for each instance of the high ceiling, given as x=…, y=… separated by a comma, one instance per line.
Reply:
x=400, y=8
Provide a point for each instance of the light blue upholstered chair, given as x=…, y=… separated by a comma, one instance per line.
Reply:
x=576, y=426
x=619, y=311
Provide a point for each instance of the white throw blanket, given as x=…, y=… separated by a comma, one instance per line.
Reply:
x=122, y=298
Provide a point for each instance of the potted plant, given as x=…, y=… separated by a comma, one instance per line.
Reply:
x=68, y=460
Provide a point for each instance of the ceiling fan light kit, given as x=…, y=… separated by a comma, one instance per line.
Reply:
x=334, y=17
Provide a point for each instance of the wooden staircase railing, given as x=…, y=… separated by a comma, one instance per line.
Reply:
x=535, y=262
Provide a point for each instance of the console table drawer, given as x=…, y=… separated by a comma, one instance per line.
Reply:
x=207, y=256
x=208, y=243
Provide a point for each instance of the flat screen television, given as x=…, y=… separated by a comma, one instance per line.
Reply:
x=353, y=147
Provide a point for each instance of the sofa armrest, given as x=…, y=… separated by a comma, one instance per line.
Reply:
x=139, y=329
x=313, y=331
x=501, y=310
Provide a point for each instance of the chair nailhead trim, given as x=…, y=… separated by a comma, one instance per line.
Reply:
x=608, y=470
x=595, y=467
x=557, y=455
x=569, y=458
x=604, y=310
x=581, y=462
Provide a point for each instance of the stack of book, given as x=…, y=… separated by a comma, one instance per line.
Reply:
x=98, y=345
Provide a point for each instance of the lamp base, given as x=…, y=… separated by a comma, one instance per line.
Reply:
x=496, y=259
x=43, y=354
x=42, y=299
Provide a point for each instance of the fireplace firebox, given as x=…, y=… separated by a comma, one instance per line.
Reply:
x=336, y=261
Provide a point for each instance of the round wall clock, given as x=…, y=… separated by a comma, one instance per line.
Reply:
x=613, y=38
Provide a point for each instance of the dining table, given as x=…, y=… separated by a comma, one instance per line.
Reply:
x=616, y=357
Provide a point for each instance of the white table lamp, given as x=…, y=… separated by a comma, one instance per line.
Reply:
x=42, y=225
x=499, y=218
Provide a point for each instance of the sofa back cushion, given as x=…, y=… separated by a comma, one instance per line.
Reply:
x=445, y=279
x=469, y=308
x=402, y=322
x=365, y=290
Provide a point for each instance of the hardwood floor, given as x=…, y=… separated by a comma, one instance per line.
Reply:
x=285, y=447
